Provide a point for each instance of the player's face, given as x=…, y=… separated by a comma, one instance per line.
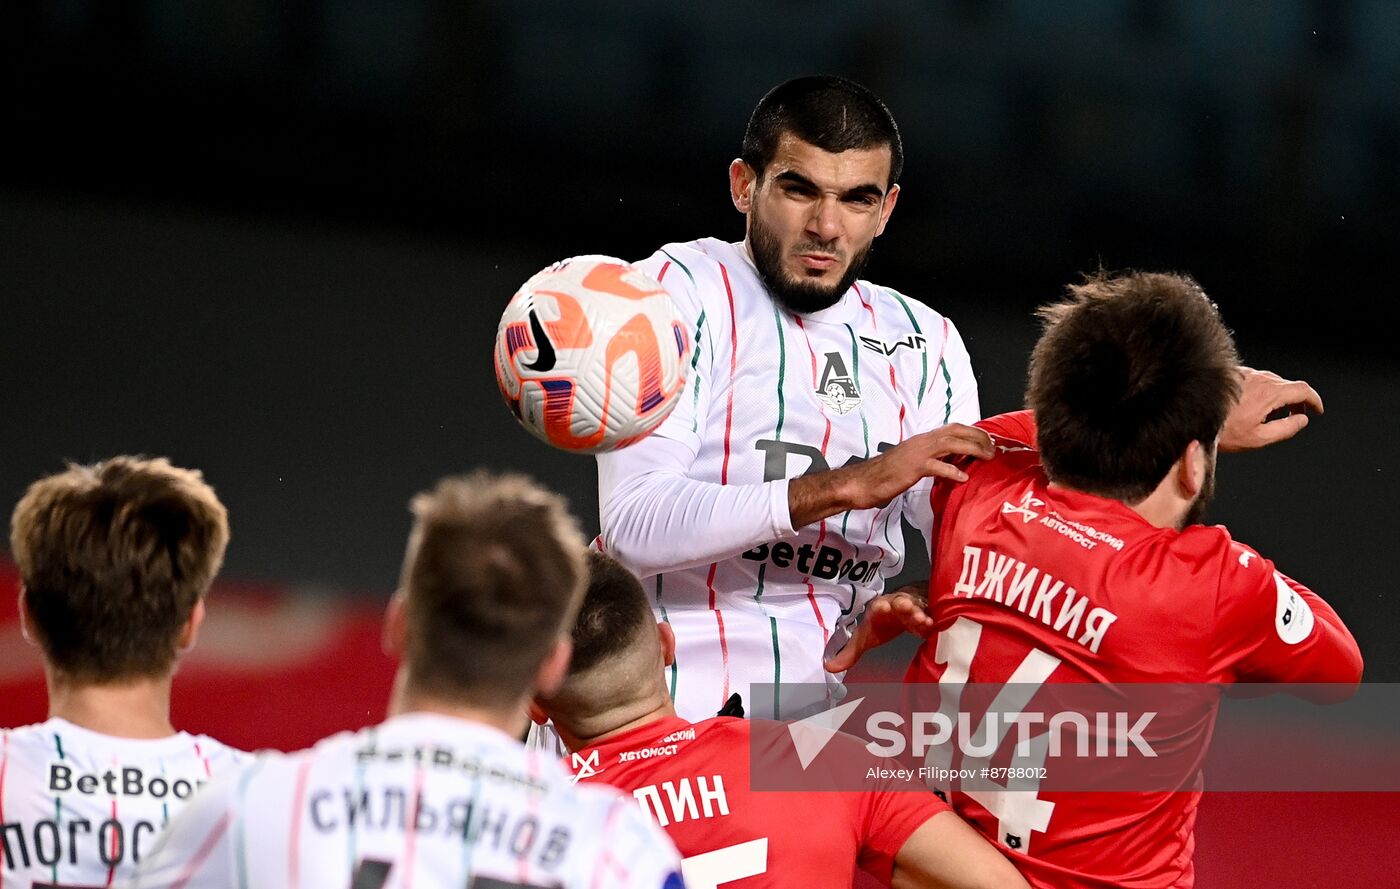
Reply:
x=813, y=218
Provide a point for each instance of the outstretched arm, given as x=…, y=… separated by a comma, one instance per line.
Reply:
x=655, y=518
x=880, y=479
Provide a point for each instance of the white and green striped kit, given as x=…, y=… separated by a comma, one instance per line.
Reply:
x=421, y=800
x=79, y=808
x=772, y=396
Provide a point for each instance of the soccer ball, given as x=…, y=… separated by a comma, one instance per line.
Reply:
x=591, y=354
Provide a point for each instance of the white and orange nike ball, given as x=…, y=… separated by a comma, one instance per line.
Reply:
x=591, y=354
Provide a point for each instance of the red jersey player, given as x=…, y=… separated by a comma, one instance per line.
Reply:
x=1074, y=555
x=615, y=713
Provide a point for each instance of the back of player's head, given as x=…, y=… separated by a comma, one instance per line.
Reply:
x=1130, y=369
x=493, y=576
x=113, y=558
x=832, y=113
x=615, y=617
x=616, y=647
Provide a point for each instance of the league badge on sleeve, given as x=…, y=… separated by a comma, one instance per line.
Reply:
x=1293, y=618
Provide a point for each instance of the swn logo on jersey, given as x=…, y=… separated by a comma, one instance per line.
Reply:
x=1024, y=508
x=837, y=390
x=585, y=768
x=913, y=342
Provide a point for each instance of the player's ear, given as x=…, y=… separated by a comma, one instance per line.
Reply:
x=742, y=179
x=537, y=714
x=189, y=633
x=891, y=198
x=1192, y=469
x=24, y=620
x=668, y=643
x=555, y=668
x=395, y=636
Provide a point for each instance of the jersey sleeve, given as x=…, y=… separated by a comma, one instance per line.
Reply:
x=654, y=516
x=888, y=818
x=686, y=422
x=195, y=850
x=953, y=378
x=1271, y=628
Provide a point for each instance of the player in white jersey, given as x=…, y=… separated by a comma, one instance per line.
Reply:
x=765, y=513
x=114, y=561
x=441, y=794
x=81, y=808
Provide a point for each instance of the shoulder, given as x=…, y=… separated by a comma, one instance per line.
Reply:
x=721, y=736
x=27, y=746
x=1206, y=547
x=889, y=302
x=23, y=734
x=1239, y=569
x=266, y=769
x=692, y=265
x=1014, y=431
x=1193, y=567
x=726, y=726
x=216, y=751
x=1012, y=462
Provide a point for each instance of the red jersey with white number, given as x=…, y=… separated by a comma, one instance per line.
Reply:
x=693, y=778
x=1058, y=586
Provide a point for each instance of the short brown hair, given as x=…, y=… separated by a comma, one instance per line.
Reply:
x=617, y=652
x=614, y=613
x=493, y=575
x=1130, y=369
x=113, y=558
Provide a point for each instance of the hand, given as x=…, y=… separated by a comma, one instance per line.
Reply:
x=1262, y=393
x=886, y=617
x=732, y=707
x=877, y=481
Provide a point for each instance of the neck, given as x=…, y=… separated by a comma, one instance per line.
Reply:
x=134, y=708
x=1161, y=511
x=407, y=699
x=1163, y=508
x=580, y=732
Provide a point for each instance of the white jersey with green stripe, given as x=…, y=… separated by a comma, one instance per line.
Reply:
x=699, y=508
x=81, y=809
x=422, y=801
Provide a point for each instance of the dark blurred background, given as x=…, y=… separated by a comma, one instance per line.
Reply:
x=271, y=238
